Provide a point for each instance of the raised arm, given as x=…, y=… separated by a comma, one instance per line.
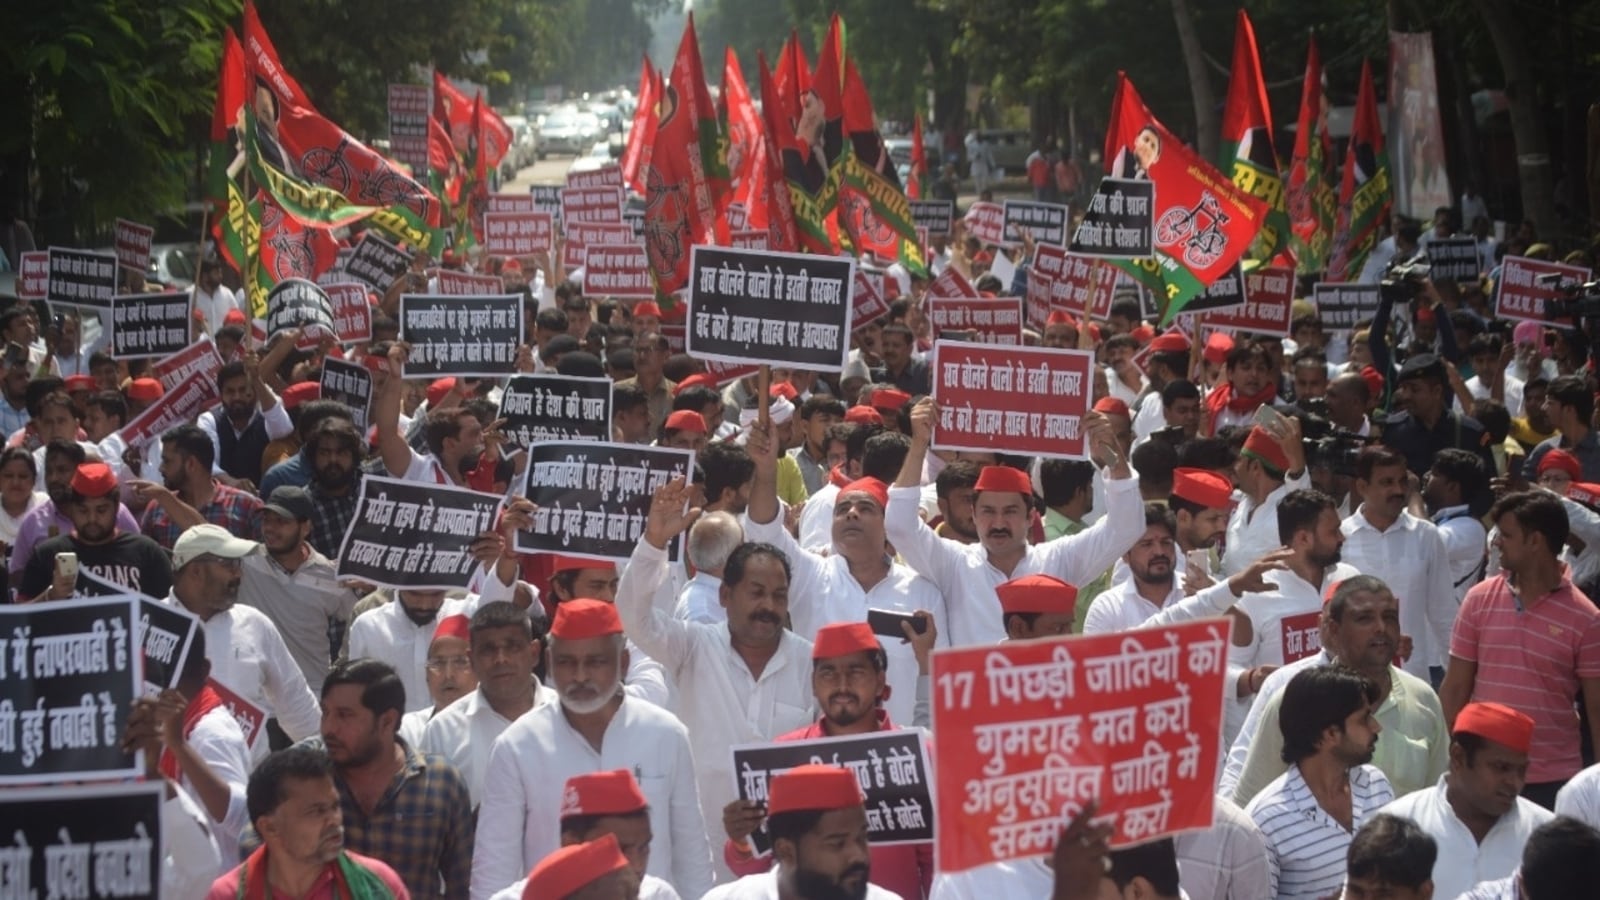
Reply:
x=652, y=628
x=392, y=446
x=930, y=555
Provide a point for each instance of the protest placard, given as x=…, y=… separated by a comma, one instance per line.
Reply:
x=131, y=243
x=1341, y=305
x=951, y=284
x=352, y=314
x=1525, y=286
x=1027, y=733
x=470, y=336
x=409, y=108
x=518, y=234
x=726, y=373
x=607, y=176
x=377, y=263
x=757, y=306
x=33, y=275
x=1120, y=220
x=178, y=406
x=415, y=535
x=738, y=216
x=166, y=635
x=596, y=205
x=81, y=278
x=1269, y=294
x=348, y=384
x=456, y=283
x=986, y=221
x=891, y=767
x=298, y=303
x=934, y=215
x=748, y=239
x=579, y=236
x=593, y=498
x=867, y=305
x=249, y=716
x=546, y=198
x=1085, y=287
x=149, y=325
x=100, y=841
x=70, y=676
x=1027, y=400
x=1226, y=292
x=633, y=217
x=1047, y=222
x=992, y=320
x=1453, y=259
x=540, y=408
x=200, y=356
x=335, y=274
x=617, y=270
x=1036, y=302
x=513, y=203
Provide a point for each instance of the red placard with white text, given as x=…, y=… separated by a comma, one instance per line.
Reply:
x=469, y=284
x=352, y=314
x=578, y=236
x=951, y=283
x=1027, y=733
x=518, y=234
x=998, y=399
x=1269, y=295
x=596, y=205
x=132, y=243
x=200, y=356
x=993, y=320
x=607, y=176
x=987, y=222
x=748, y=239
x=249, y=716
x=33, y=275
x=617, y=270
x=1084, y=286
x=511, y=203
x=1519, y=295
x=1037, y=301
x=738, y=217
x=1302, y=636
x=867, y=303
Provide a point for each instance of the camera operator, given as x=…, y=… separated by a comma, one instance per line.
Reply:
x=1424, y=423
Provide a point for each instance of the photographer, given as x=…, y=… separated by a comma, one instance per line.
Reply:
x=1424, y=423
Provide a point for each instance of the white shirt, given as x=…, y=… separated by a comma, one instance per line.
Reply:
x=822, y=591
x=816, y=518
x=1480, y=391
x=1464, y=543
x=1462, y=862
x=1227, y=861
x=1306, y=847
x=465, y=731
x=1413, y=561
x=1253, y=530
x=1118, y=389
x=1122, y=608
x=274, y=418
x=386, y=633
x=722, y=704
x=218, y=739
x=190, y=861
x=764, y=886
x=414, y=724
x=248, y=655
x=1012, y=878
x=214, y=307
x=1150, y=417
x=963, y=570
x=519, y=822
x=701, y=600
x=650, y=888
x=1580, y=797
x=1378, y=261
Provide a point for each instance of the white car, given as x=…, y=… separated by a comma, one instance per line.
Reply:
x=598, y=157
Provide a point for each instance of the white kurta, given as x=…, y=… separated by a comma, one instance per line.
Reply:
x=963, y=572
x=1014, y=878
x=465, y=731
x=722, y=704
x=764, y=886
x=190, y=861
x=701, y=600
x=1464, y=541
x=650, y=888
x=1122, y=608
x=823, y=591
x=1462, y=862
x=1253, y=530
x=1413, y=561
x=219, y=740
x=519, y=822
x=816, y=518
x=1580, y=797
x=386, y=633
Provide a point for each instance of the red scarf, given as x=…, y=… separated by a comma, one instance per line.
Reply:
x=351, y=880
x=203, y=702
x=838, y=478
x=1222, y=397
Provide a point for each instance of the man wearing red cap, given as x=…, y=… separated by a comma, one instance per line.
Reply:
x=650, y=352
x=1529, y=639
x=856, y=576
x=595, y=870
x=1167, y=363
x=1001, y=516
x=104, y=550
x=743, y=682
x=848, y=680
x=1120, y=419
x=1474, y=813
x=1250, y=381
x=684, y=430
x=818, y=824
x=1557, y=470
x=1271, y=465
x=1036, y=606
x=596, y=726
x=450, y=676
x=576, y=578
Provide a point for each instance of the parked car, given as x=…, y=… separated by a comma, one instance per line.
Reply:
x=523, y=149
x=565, y=131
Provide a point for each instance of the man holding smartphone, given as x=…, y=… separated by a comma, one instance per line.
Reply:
x=99, y=550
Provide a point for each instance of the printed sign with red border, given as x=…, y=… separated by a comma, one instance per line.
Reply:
x=607, y=176
x=998, y=399
x=33, y=277
x=132, y=243
x=868, y=305
x=596, y=205
x=518, y=234
x=1519, y=294
x=748, y=239
x=987, y=222
x=991, y=320
x=456, y=283
x=617, y=270
x=579, y=235
x=1268, y=293
x=512, y=203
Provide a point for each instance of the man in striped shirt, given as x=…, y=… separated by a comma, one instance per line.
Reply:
x=1529, y=639
x=1309, y=813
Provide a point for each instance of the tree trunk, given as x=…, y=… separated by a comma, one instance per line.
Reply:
x=1533, y=146
x=1206, y=125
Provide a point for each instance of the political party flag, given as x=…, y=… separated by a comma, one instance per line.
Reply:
x=1310, y=198
x=461, y=111
x=739, y=122
x=231, y=92
x=680, y=210
x=769, y=200
x=919, y=161
x=1364, y=194
x=791, y=77
x=1203, y=223
x=792, y=156
x=285, y=248
x=873, y=209
x=1248, y=153
x=642, y=136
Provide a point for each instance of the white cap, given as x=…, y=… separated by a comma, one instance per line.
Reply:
x=201, y=540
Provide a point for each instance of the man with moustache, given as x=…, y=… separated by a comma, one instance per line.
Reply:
x=595, y=727
x=295, y=809
x=1199, y=502
x=848, y=679
x=249, y=418
x=454, y=435
x=335, y=450
x=450, y=675
x=51, y=518
x=187, y=459
x=1360, y=631
x=247, y=653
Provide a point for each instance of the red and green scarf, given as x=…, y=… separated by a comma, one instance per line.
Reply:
x=205, y=701
x=351, y=880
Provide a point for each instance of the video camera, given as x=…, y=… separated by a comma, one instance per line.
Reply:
x=1327, y=445
x=1404, y=280
x=1582, y=301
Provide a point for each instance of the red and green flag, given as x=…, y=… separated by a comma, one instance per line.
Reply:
x=873, y=209
x=1364, y=194
x=1248, y=153
x=461, y=111
x=231, y=94
x=680, y=208
x=740, y=123
x=793, y=157
x=642, y=136
x=919, y=161
x=1311, y=201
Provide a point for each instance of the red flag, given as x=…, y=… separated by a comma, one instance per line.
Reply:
x=460, y=111
x=1311, y=199
x=262, y=61
x=791, y=78
x=292, y=249
x=478, y=166
x=679, y=206
x=1364, y=193
x=740, y=124
x=642, y=136
x=232, y=90
x=873, y=208
x=919, y=161
x=770, y=205
x=1248, y=156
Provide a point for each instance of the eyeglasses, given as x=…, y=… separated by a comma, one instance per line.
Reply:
x=226, y=562
x=450, y=663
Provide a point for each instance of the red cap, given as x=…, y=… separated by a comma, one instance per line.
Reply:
x=698, y=379
x=562, y=563
x=1494, y=722
x=1218, y=345
x=1374, y=380
x=93, y=479
x=1060, y=318
x=1263, y=448
x=1037, y=594
x=1561, y=459
x=1425, y=314
x=1112, y=406
x=983, y=256
x=235, y=317
x=1202, y=486
x=299, y=392
x=1005, y=479
x=511, y=265
x=647, y=308
x=843, y=639
x=785, y=390
x=574, y=867
x=863, y=415
x=870, y=486
x=438, y=389
x=890, y=398
x=813, y=787
x=1143, y=333
x=612, y=793
x=456, y=626
x=686, y=420
x=375, y=364
x=145, y=390
x=77, y=383
x=1170, y=342
x=579, y=620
